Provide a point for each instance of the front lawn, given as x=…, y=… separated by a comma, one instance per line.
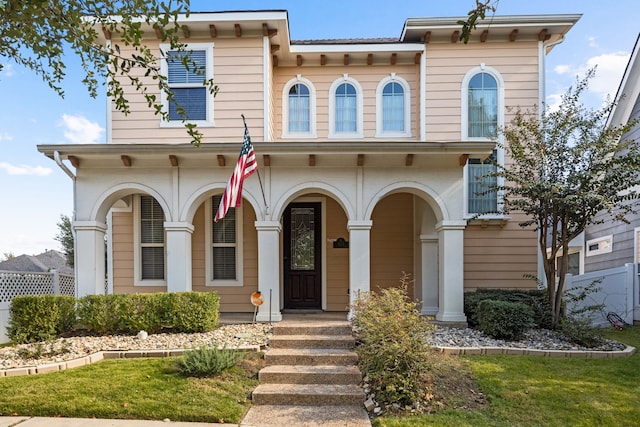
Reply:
x=541, y=391
x=150, y=389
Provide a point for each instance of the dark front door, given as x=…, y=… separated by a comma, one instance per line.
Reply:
x=302, y=256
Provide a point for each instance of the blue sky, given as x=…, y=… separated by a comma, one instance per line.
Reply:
x=35, y=192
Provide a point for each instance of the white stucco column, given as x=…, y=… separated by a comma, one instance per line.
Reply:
x=269, y=270
x=178, y=251
x=451, y=271
x=359, y=258
x=429, y=277
x=89, y=257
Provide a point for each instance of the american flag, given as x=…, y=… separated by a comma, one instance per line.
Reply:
x=245, y=166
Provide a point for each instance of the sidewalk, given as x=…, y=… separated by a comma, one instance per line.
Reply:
x=93, y=422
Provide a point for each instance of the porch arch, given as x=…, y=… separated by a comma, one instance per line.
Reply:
x=110, y=196
x=188, y=210
x=426, y=193
x=312, y=187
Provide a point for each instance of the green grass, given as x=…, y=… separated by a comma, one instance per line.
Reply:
x=133, y=389
x=541, y=391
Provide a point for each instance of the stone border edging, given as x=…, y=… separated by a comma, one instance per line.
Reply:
x=576, y=354
x=96, y=357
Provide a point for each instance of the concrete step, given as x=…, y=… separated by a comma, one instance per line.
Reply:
x=308, y=394
x=310, y=356
x=312, y=328
x=312, y=341
x=289, y=415
x=305, y=374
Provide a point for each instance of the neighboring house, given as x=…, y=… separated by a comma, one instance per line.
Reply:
x=369, y=154
x=615, y=243
x=42, y=263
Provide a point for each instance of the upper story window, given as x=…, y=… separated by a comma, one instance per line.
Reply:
x=393, y=102
x=186, y=73
x=345, y=109
x=482, y=103
x=299, y=109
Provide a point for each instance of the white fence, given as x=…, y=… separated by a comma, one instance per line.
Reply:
x=16, y=283
x=618, y=292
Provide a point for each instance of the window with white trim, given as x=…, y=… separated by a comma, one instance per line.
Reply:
x=393, y=107
x=151, y=239
x=186, y=73
x=345, y=108
x=601, y=245
x=573, y=267
x=482, y=107
x=299, y=109
x=481, y=199
x=223, y=252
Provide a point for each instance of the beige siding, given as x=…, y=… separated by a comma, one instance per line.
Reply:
x=496, y=257
x=337, y=259
x=233, y=299
x=238, y=71
x=123, y=271
x=367, y=76
x=447, y=65
x=392, y=241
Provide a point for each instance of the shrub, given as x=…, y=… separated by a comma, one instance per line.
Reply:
x=503, y=319
x=191, y=311
x=100, y=313
x=40, y=317
x=536, y=299
x=578, y=330
x=391, y=347
x=207, y=361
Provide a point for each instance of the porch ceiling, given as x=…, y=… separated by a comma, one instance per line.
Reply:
x=276, y=155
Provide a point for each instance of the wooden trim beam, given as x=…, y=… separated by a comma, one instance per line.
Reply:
x=360, y=160
x=173, y=159
x=238, y=30
x=266, y=159
x=417, y=58
x=107, y=33
x=186, y=32
x=427, y=37
x=544, y=35
x=455, y=36
x=265, y=29
x=484, y=35
x=158, y=31
x=213, y=31
x=370, y=59
x=126, y=160
x=346, y=59
x=275, y=60
x=513, y=35
x=409, y=160
x=394, y=58
x=75, y=162
x=298, y=60
x=323, y=59
x=274, y=48
x=221, y=160
x=312, y=159
x=463, y=159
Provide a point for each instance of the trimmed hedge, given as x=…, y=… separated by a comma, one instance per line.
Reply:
x=536, y=299
x=43, y=317
x=129, y=313
x=503, y=319
x=40, y=317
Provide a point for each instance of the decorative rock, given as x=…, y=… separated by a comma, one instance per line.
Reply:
x=369, y=404
x=142, y=335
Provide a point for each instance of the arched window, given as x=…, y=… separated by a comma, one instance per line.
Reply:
x=393, y=107
x=345, y=108
x=482, y=104
x=299, y=108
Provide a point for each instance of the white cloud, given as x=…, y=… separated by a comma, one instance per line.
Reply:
x=562, y=69
x=8, y=70
x=80, y=130
x=25, y=169
x=553, y=101
x=592, y=41
x=5, y=137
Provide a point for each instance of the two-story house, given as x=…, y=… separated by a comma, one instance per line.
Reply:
x=370, y=153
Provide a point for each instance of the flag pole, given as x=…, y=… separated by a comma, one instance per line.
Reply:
x=258, y=172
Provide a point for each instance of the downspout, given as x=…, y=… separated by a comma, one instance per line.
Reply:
x=542, y=87
x=65, y=169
